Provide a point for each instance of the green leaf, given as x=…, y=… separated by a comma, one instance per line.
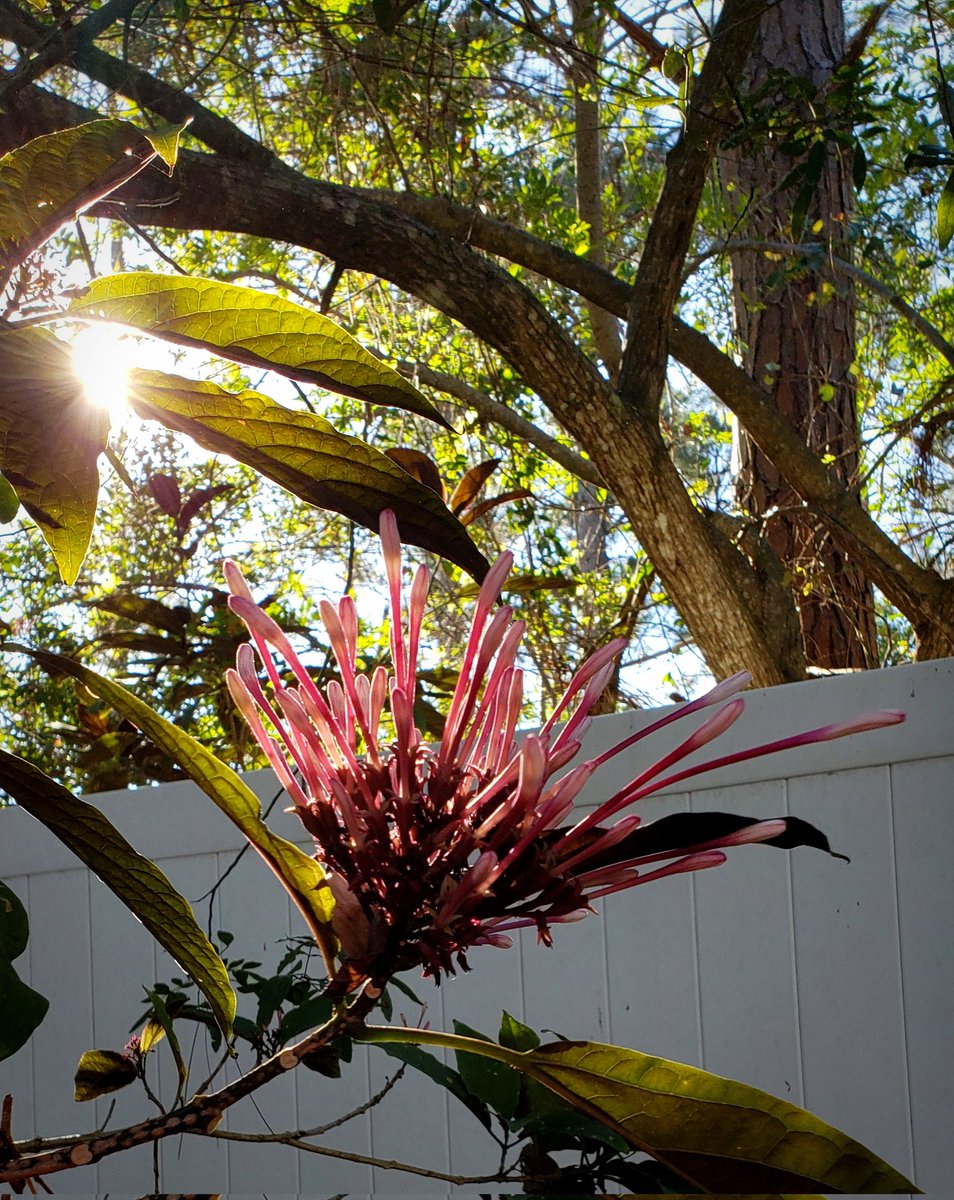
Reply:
x=9, y=501
x=722, y=1135
x=719, y=1135
x=301, y=875
x=563, y=1126
x=254, y=328
x=100, y=1072
x=165, y=140
x=14, y=925
x=515, y=1035
x=163, y=1018
x=307, y=1015
x=446, y=1076
x=21, y=1011
x=493, y=1083
x=308, y=457
x=945, y=214
x=46, y=183
x=21, y=1008
x=139, y=883
x=50, y=439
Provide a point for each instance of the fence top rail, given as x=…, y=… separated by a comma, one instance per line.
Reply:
x=175, y=819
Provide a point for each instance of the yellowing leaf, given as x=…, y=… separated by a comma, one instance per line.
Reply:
x=306, y=455
x=722, y=1135
x=164, y=139
x=251, y=327
x=47, y=182
x=139, y=883
x=100, y=1072
x=50, y=439
x=302, y=876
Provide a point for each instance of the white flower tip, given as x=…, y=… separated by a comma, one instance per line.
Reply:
x=235, y=580
x=877, y=719
x=494, y=581
x=728, y=687
x=717, y=724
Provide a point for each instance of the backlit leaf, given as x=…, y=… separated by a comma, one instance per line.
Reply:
x=251, y=327
x=9, y=501
x=47, y=182
x=301, y=875
x=470, y=484
x=723, y=1135
x=50, y=439
x=719, y=1135
x=306, y=455
x=139, y=883
x=100, y=1072
x=422, y=468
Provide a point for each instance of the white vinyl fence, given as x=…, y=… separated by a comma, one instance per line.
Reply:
x=828, y=983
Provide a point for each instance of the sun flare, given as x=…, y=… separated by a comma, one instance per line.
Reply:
x=102, y=358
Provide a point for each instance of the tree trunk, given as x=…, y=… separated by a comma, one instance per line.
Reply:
x=588, y=163
x=798, y=330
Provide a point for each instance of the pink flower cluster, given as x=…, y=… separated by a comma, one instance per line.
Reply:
x=434, y=850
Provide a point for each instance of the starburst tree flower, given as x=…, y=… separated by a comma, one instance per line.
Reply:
x=432, y=850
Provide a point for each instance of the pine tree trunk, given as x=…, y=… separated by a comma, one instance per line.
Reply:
x=798, y=330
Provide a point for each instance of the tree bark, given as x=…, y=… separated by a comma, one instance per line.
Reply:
x=588, y=163
x=799, y=339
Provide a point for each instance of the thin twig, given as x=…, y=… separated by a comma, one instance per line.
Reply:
x=382, y=1164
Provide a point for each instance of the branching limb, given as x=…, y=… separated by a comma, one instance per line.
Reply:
x=58, y=46
x=505, y=417
x=201, y=1115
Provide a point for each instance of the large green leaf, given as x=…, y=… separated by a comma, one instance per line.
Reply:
x=50, y=439
x=719, y=1135
x=251, y=327
x=21, y=1011
x=723, y=1135
x=21, y=1008
x=302, y=876
x=139, y=883
x=306, y=455
x=47, y=182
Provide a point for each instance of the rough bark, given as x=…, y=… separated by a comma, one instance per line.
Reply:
x=799, y=333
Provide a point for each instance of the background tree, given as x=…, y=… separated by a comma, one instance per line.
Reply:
x=487, y=191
